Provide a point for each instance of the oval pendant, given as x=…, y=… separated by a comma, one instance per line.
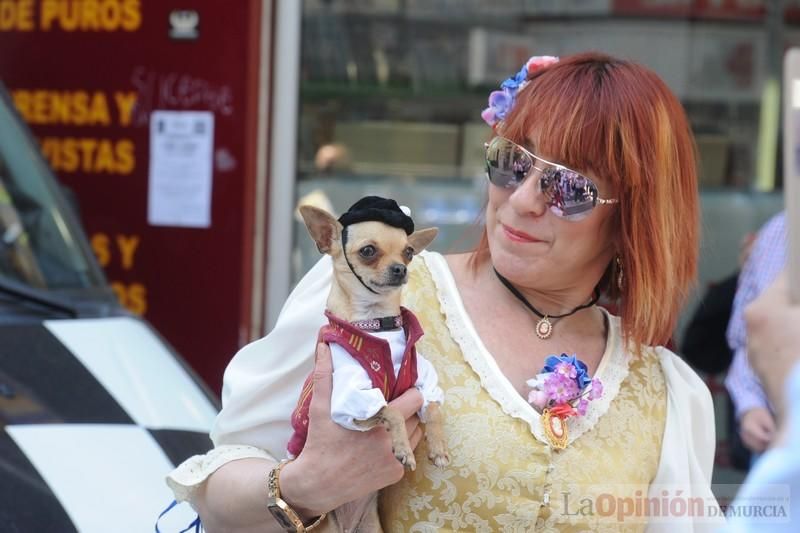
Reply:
x=544, y=328
x=555, y=429
x=557, y=426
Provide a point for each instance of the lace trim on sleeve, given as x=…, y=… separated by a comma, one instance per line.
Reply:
x=612, y=371
x=194, y=471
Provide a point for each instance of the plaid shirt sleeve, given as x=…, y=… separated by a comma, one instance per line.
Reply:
x=766, y=261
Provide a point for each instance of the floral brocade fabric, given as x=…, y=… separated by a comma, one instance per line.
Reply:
x=503, y=477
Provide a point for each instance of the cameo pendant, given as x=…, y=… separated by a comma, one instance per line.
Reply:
x=544, y=328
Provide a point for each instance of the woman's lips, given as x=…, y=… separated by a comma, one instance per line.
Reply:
x=519, y=236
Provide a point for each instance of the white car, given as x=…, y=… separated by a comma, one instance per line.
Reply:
x=95, y=408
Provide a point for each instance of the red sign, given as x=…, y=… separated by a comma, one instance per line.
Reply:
x=86, y=75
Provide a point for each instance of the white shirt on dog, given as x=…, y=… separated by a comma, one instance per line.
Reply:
x=355, y=398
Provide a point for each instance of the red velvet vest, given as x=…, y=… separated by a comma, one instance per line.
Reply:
x=374, y=356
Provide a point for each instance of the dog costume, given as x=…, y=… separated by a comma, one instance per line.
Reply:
x=370, y=368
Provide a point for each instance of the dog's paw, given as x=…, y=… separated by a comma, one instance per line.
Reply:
x=440, y=459
x=406, y=457
x=437, y=453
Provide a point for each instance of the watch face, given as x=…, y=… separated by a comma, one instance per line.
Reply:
x=280, y=515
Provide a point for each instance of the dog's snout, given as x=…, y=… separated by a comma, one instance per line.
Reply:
x=398, y=270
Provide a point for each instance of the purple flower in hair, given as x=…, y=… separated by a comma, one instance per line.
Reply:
x=502, y=101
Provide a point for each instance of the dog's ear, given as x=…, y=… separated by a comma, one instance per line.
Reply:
x=420, y=239
x=324, y=229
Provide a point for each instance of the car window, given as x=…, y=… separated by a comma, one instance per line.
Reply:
x=41, y=244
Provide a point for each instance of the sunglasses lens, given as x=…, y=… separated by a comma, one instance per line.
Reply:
x=506, y=164
x=571, y=196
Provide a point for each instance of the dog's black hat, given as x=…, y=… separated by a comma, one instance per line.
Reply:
x=375, y=208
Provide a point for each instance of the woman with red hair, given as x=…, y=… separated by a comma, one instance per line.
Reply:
x=558, y=415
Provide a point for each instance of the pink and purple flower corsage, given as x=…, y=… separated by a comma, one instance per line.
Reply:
x=564, y=387
x=502, y=101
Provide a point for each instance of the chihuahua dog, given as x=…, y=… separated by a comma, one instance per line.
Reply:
x=372, y=338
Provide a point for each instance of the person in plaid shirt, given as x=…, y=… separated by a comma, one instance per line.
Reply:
x=767, y=259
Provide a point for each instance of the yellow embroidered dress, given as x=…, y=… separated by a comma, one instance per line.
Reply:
x=503, y=475
x=653, y=426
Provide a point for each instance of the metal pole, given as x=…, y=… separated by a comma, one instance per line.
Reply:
x=283, y=154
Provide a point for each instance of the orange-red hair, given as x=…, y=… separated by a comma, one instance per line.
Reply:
x=620, y=121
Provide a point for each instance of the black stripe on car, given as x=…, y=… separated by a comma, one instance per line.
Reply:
x=28, y=503
x=180, y=445
x=42, y=381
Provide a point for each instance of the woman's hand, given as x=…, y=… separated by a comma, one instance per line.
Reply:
x=338, y=465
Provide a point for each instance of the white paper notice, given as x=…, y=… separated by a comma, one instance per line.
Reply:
x=181, y=147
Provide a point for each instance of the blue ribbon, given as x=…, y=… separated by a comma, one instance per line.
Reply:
x=196, y=524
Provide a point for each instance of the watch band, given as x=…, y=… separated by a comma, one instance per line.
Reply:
x=280, y=510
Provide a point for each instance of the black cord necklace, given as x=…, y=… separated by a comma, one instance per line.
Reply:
x=544, y=328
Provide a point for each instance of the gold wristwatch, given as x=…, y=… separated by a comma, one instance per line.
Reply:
x=283, y=514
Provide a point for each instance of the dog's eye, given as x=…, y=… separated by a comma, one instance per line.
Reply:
x=367, y=251
x=408, y=253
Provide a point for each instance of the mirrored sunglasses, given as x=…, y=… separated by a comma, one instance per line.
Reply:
x=569, y=194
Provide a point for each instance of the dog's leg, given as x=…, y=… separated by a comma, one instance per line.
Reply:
x=434, y=434
x=396, y=426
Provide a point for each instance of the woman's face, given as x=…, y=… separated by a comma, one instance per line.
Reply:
x=534, y=248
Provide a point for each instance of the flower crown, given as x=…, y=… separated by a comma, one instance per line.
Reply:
x=502, y=101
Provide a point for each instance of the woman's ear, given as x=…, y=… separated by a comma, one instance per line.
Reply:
x=420, y=239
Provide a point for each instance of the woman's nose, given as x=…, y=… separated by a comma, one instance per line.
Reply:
x=528, y=197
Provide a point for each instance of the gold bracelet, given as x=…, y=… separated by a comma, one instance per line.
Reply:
x=280, y=510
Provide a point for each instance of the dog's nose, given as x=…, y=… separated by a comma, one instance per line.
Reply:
x=398, y=270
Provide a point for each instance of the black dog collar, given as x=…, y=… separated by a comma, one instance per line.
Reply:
x=384, y=323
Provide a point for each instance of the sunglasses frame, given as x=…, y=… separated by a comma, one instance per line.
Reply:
x=535, y=158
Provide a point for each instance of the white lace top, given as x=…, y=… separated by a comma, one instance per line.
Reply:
x=612, y=369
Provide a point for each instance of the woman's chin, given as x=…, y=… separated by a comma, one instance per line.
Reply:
x=513, y=262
